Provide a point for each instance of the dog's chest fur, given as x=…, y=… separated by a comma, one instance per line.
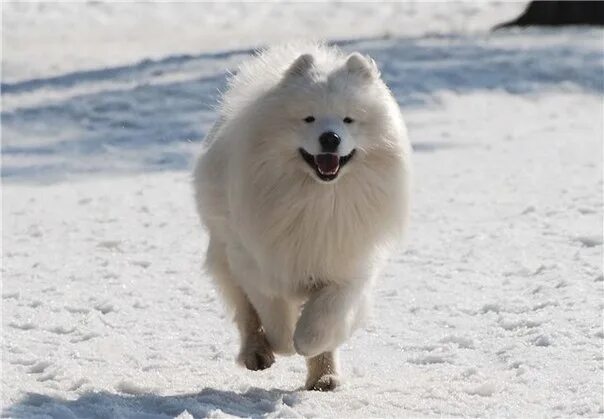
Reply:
x=308, y=234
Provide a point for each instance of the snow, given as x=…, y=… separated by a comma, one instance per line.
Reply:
x=493, y=308
x=102, y=34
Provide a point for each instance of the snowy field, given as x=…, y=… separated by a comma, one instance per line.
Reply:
x=493, y=308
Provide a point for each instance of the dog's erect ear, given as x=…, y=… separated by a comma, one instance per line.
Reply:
x=301, y=66
x=362, y=65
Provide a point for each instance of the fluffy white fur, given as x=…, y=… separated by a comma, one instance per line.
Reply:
x=297, y=251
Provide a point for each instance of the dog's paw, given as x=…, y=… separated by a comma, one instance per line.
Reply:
x=256, y=354
x=305, y=343
x=257, y=361
x=328, y=382
x=312, y=339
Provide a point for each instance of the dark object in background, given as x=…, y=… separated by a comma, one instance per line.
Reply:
x=558, y=13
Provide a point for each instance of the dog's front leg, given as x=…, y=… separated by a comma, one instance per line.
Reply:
x=329, y=317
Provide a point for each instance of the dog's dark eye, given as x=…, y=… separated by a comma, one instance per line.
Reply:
x=309, y=119
x=348, y=120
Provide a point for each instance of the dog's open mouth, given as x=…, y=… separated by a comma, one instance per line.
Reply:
x=326, y=165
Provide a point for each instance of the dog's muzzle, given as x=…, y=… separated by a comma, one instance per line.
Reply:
x=326, y=165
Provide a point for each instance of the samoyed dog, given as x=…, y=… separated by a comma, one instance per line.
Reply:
x=303, y=187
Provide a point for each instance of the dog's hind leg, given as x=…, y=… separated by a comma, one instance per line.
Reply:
x=322, y=372
x=255, y=353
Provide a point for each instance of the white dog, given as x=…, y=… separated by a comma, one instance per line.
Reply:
x=303, y=185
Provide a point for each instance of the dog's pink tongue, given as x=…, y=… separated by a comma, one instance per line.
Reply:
x=328, y=164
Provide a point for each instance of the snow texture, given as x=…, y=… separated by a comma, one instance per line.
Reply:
x=493, y=308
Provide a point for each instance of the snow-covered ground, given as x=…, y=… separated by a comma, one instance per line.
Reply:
x=494, y=308
x=52, y=38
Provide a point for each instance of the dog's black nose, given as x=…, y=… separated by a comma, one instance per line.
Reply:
x=329, y=141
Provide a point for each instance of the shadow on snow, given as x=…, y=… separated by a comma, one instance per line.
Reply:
x=254, y=403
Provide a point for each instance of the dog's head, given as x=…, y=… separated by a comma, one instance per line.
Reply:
x=331, y=114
